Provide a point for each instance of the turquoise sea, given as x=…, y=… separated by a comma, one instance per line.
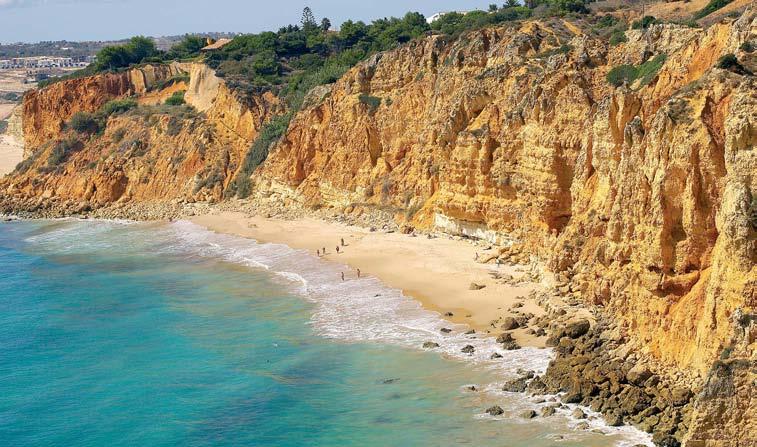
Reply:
x=125, y=334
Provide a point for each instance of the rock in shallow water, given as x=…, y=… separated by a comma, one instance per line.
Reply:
x=495, y=410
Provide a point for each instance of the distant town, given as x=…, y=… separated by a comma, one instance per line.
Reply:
x=45, y=62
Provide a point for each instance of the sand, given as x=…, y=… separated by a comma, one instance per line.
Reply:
x=438, y=272
x=11, y=150
x=11, y=154
x=5, y=110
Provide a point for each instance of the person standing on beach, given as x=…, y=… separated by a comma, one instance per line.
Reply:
x=324, y=251
x=337, y=249
x=358, y=273
x=342, y=276
x=318, y=252
x=342, y=242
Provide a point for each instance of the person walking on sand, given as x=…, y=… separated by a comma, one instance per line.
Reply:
x=324, y=251
x=358, y=273
x=342, y=242
x=318, y=252
x=476, y=257
x=337, y=249
x=342, y=276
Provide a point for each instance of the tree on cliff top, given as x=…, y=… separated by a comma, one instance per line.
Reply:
x=136, y=51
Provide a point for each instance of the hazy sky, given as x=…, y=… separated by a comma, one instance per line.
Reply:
x=36, y=20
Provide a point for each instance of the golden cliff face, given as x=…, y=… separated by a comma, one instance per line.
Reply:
x=643, y=195
x=46, y=111
x=148, y=154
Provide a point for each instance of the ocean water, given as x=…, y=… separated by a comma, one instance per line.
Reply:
x=123, y=334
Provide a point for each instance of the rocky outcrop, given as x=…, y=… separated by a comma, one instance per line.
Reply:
x=152, y=153
x=594, y=368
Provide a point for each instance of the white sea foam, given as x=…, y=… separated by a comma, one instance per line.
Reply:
x=354, y=310
x=366, y=310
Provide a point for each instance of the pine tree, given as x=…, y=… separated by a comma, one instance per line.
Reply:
x=308, y=20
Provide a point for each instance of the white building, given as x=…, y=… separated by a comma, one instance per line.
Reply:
x=439, y=15
x=38, y=62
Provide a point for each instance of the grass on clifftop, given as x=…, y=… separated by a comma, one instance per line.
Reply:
x=711, y=7
x=628, y=74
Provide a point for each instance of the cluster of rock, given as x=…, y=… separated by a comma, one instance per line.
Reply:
x=592, y=368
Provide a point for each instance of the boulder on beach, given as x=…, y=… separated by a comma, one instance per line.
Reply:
x=474, y=286
x=577, y=328
x=445, y=330
x=528, y=414
x=510, y=345
x=548, y=411
x=509, y=323
x=468, y=349
x=578, y=414
x=638, y=374
x=430, y=345
x=516, y=385
x=495, y=410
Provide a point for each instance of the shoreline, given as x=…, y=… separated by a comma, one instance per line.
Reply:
x=438, y=272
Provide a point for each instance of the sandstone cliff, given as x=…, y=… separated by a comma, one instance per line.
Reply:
x=153, y=153
x=641, y=193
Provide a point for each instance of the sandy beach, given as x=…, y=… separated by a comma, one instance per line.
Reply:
x=438, y=272
x=11, y=151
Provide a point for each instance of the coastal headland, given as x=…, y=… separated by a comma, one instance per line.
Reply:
x=578, y=181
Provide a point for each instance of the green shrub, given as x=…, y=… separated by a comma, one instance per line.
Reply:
x=645, y=22
x=117, y=106
x=177, y=99
x=61, y=151
x=617, y=37
x=562, y=49
x=645, y=72
x=118, y=135
x=214, y=178
x=729, y=62
x=174, y=127
x=711, y=7
x=139, y=49
x=84, y=122
x=373, y=102
x=648, y=70
x=606, y=21
x=621, y=74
